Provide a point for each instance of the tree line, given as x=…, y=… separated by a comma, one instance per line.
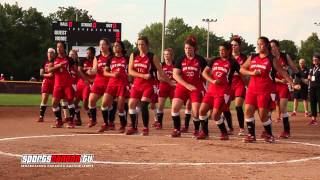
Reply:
x=25, y=35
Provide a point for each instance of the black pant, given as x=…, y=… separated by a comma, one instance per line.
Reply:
x=314, y=100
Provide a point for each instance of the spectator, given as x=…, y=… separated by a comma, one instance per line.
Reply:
x=303, y=92
x=2, y=77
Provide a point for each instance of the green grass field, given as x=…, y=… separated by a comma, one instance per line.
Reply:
x=34, y=100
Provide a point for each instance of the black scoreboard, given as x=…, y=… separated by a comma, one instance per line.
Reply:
x=85, y=32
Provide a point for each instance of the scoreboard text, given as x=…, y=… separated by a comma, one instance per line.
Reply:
x=85, y=32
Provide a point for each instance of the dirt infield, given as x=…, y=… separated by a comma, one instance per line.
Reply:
x=157, y=156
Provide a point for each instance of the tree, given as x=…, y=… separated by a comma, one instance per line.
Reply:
x=176, y=33
x=309, y=47
x=23, y=40
x=289, y=47
x=129, y=46
x=69, y=14
x=153, y=32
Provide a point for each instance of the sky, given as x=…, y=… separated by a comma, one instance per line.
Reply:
x=281, y=19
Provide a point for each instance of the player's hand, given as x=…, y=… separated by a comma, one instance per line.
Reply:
x=217, y=81
x=58, y=65
x=191, y=87
x=256, y=72
x=173, y=83
x=116, y=74
x=146, y=76
x=296, y=86
x=50, y=74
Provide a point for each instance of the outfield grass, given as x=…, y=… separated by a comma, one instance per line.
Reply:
x=34, y=100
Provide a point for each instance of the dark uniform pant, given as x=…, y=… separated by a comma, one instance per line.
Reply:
x=314, y=100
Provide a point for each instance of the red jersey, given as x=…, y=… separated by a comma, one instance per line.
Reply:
x=168, y=71
x=62, y=75
x=100, y=78
x=191, y=69
x=86, y=64
x=45, y=67
x=143, y=65
x=284, y=65
x=237, y=80
x=120, y=65
x=263, y=82
x=222, y=70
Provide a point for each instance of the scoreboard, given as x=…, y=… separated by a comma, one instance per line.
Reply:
x=73, y=32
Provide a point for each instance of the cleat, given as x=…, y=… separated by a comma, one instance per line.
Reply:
x=70, y=124
x=132, y=131
x=154, y=124
x=176, y=133
x=184, y=130
x=59, y=124
x=263, y=134
x=224, y=136
x=306, y=114
x=249, y=139
x=313, y=122
x=78, y=122
x=103, y=128
x=230, y=131
x=65, y=120
x=92, y=123
x=269, y=139
x=241, y=132
x=112, y=126
x=122, y=130
x=145, y=131
x=202, y=135
x=195, y=133
x=158, y=126
x=284, y=135
x=40, y=119
x=293, y=113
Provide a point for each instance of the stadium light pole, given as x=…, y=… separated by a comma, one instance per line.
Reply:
x=163, y=28
x=259, y=28
x=77, y=11
x=208, y=21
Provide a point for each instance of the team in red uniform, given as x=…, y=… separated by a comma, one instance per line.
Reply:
x=62, y=83
x=166, y=90
x=47, y=83
x=84, y=83
x=282, y=86
x=118, y=85
x=218, y=73
x=238, y=84
x=260, y=93
x=190, y=84
x=143, y=66
x=100, y=82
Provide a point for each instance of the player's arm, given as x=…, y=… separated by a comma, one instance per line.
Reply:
x=53, y=67
x=134, y=73
x=107, y=72
x=292, y=65
x=206, y=74
x=177, y=76
x=43, y=74
x=283, y=73
x=94, y=69
x=81, y=72
x=244, y=70
x=161, y=75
